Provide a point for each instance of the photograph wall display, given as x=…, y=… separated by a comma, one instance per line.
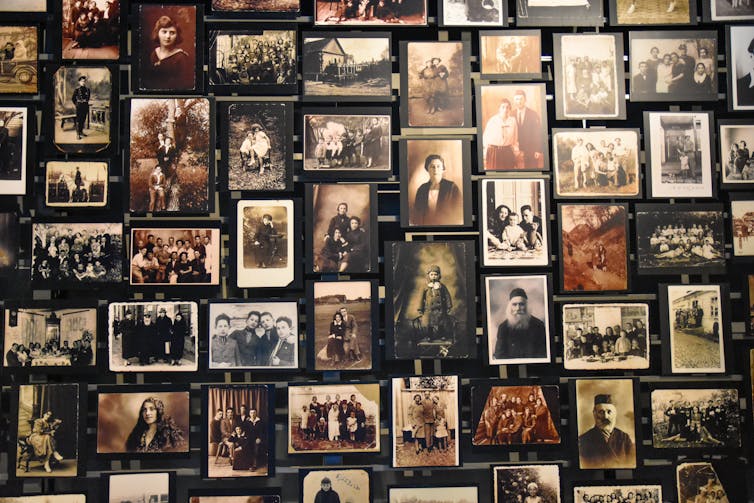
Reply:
x=741, y=67
x=48, y=498
x=20, y=64
x=76, y=184
x=257, y=7
x=593, y=247
x=253, y=335
x=9, y=251
x=240, y=440
x=680, y=238
x=76, y=253
x=643, y=13
x=589, y=76
x=559, y=13
x=336, y=484
x=347, y=66
x=473, y=13
x=513, y=132
x=345, y=320
x=388, y=13
x=347, y=419
x=736, y=163
x=517, y=324
x=522, y=482
x=680, y=154
x=48, y=431
x=516, y=230
x=435, y=84
x=605, y=417
x=90, y=30
x=724, y=10
x=699, y=480
x=428, y=311
x=596, y=163
x=436, y=188
x=170, y=155
x=153, y=336
x=15, y=126
x=426, y=421
x=253, y=60
x=742, y=221
x=496, y=420
x=146, y=486
x=605, y=336
x=618, y=492
x=449, y=494
x=510, y=54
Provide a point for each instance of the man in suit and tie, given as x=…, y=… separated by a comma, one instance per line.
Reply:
x=642, y=83
x=529, y=130
x=81, y=101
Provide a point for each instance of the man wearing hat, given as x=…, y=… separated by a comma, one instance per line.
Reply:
x=326, y=493
x=604, y=446
x=520, y=335
x=81, y=101
x=147, y=331
x=436, y=302
x=164, y=330
x=127, y=330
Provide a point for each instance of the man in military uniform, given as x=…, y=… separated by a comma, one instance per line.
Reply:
x=604, y=446
x=81, y=101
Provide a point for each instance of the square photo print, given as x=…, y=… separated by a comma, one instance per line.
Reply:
x=91, y=29
x=473, y=13
x=526, y=482
x=337, y=484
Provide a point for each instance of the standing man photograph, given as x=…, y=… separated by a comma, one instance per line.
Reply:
x=81, y=101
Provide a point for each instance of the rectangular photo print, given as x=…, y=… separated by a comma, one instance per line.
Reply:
x=90, y=30
x=742, y=223
x=76, y=184
x=49, y=498
x=426, y=421
x=320, y=485
x=24, y=6
x=697, y=481
x=15, y=136
x=522, y=482
x=347, y=419
x=510, y=54
x=559, y=13
x=730, y=10
x=257, y=7
x=736, y=162
x=158, y=487
x=9, y=249
x=384, y=13
x=236, y=496
x=652, y=12
x=19, y=66
x=740, y=67
x=446, y=494
x=473, y=13
x=619, y=493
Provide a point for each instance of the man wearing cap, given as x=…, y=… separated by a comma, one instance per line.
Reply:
x=435, y=302
x=81, y=101
x=126, y=328
x=604, y=446
x=520, y=335
x=326, y=493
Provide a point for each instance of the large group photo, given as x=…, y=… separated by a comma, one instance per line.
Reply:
x=91, y=29
x=353, y=142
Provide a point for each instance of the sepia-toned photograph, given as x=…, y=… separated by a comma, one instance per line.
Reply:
x=77, y=253
x=153, y=336
x=347, y=419
x=257, y=7
x=742, y=220
x=9, y=252
x=171, y=149
x=593, y=247
x=24, y=6
x=142, y=423
x=426, y=421
x=19, y=59
x=253, y=335
x=91, y=29
x=151, y=486
x=736, y=162
x=76, y=184
x=699, y=482
x=596, y=163
x=652, y=12
x=337, y=484
x=605, y=336
x=731, y=10
x=347, y=66
x=740, y=51
x=473, y=13
x=48, y=443
x=526, y=483
x=606, y=423
x=515, y=415
x=237, y=496
x=428, y=309
x=384, y=13
x=264, y=243
x=48, y=498
x=14, y=141
x=510, y=54
x=618, y=493
x=750, y=320
x=559, y=13
x=435, y=494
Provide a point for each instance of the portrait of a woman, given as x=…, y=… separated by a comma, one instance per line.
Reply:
x=745, y=81
x=170, y=63
x=154, y=431
x=42, y=439
x=439, y=200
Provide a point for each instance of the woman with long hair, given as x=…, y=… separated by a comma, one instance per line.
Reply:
x=154, y=431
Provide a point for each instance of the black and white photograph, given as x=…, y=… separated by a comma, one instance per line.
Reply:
x=14, y=141
x=257, y=7
x=515, y=415
x=596, y=163
x=731, y=10
x=589, y=76
x=679, y=157
x=63, y=338
x=699, y=482
x=426, y=422
x=673, y=66
x=347, y=66
x=510, y=54
x=526, y=483
x=736, y=162
x=159, y=336
x=515, y=228
x=333, y=418
x=680, y=238
x=49, y=498
x=77, y=253
x=490, y=13
x=742, y=221
x=19, y=59
x=174, y=256
x=620, y=493
x=559, y=13
x=605, y=336
x=253, y=335
x=147, y=486
x=91, y=29
x=517, y=324
x=740, y=58
x=385, y=13
x=434, y=494
x=171, y=150
x=253, y=60
x=652, y=12
x=335, y=484
x=76, y=184
x=429, y=312
x=48, y=431
x=9, y=251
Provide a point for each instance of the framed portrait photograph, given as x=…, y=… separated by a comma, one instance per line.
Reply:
x=264, y=495
x=606, y=423
x=157, y=336
x=425, y=421
x=73, y=185
x=252, y=59
x=258, y=335
x=17, y=125
x=125, y=415
x=24, y=6
x=736, y=164
x=732, y=11
x=90, y=30
x=47, y=498
x=347, y=419
x=9, y=243
x=257, y=8
x=166, y=48
x=428, y=309
x=343, y=333
x=510, y=54
x=596, y=163
x=239, y=439
x=517, y=322
x=144, y=486
x=649, y=12
x=342, y=218
x=513, y=132
x=618, y=490
x=347, y=66
x=435, y=84
x=472, y=13
x=742, y=225
x=589, y=76
x=20, y=65
x=559, y=13
x=699, y=480
x=694, y=321
x=740, y=47
x=170, y=153
x=449, y=494
x=537, y=482
x=436, y=188
x=680, y=238
x=593, y=247
x=49, y=431
x=77, y=255
x=389, y=13
x=335, y=484
x=496, y=420
x=605, y=336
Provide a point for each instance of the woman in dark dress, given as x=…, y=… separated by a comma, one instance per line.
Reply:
x=496, y=224
x=170, y=67
x=332, y=253
x=198, y=268
x=178, y=338
x=335, y=339
x=183, y=269
x=154, y=431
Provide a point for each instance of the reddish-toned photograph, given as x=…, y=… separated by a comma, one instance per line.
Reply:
x=510, y=54
x=382, y=13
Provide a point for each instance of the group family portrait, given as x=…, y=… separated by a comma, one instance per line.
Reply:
x=370, y=12
x=14, y=136
x=736, y=160
x=622, y=493
x=509, y=54
x=91, y=29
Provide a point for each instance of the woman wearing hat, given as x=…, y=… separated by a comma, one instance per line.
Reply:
x=438, y=201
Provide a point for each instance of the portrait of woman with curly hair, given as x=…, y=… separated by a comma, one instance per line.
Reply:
x=154, y=431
